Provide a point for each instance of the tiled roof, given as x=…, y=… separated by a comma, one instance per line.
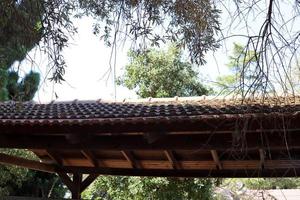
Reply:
x=187, y=137
x=167, y=107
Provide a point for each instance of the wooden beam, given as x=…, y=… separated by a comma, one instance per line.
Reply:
x=120, y=142
x=228, y=165
x=262, y=158
x=90, y=156
x=30, y=164
x=242, y=173
x=216, y=159
x=53, y=155
x=172, y=159
x=87, y=181
x=153, y=137
x=138, y=142
x=130, y=158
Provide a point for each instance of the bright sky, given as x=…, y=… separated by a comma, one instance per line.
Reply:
x=88, y=60
x=87, y=63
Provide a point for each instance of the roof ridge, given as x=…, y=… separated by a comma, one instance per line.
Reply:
x=228, y=99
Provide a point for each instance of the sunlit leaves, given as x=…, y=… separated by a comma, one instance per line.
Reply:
x=156, y=73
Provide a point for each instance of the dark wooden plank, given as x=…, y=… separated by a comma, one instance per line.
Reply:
x=30, y=164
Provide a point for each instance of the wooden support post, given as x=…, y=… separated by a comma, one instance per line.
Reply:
x=73, y=185
x=216, y=158
x=76, y=192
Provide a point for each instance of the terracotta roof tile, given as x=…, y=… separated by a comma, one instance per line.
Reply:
x=140, y=108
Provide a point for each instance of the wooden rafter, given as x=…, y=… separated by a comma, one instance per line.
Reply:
x=91, y=157
x=172, y=159
x=130, y=158
x=53, y=155
x=216, y=158
x=272, y=168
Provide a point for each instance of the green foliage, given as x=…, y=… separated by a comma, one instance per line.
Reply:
x=18, y=29
x=41, y=184
x=161, y=74
x=193, y=24
x=18, y=181
x=272, y=183
x=140, y=188
x=25, y=23
x=25, y=89
x=237, y=61
x=11, y=177
x=3, y=83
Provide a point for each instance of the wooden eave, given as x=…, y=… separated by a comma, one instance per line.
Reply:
x=169, y=140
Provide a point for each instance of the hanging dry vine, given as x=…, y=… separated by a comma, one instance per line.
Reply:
x=271, y=32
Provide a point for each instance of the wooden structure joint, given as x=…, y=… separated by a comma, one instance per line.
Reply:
x=91, y=157
x=130, y=158
x=55, y=157
x=170, y=156
x=216, y=159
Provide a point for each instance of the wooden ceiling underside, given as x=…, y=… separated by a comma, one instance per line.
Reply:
x=264, y=146
x=191, y=139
